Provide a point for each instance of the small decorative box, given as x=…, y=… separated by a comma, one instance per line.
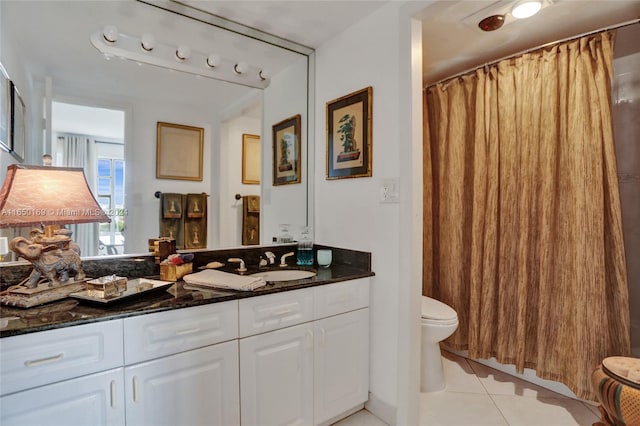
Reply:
x=175, y=272
x=107, y=286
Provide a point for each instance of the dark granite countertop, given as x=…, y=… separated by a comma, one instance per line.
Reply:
x=70, y=312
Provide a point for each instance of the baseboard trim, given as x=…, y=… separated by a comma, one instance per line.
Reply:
x=342, y=415
x=382, y=410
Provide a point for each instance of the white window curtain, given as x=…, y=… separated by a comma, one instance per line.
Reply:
x=76, y=151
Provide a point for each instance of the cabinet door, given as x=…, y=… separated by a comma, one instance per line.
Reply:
x=198, y=387
x=93, y=400
x=276, y=377
x=341, y=365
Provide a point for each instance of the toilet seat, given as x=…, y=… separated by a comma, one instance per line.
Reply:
x=434, y=311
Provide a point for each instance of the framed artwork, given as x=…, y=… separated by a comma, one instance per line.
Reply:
x=179, y=151
x=18, y=126
x=5, y=108
x=349, y=135
x=250, y=159
x=286, y=151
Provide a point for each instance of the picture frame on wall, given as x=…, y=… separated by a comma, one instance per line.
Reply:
x=5, y=109
x=286, y=151
x=179, y=151
x=251, y=159
x=18, y=124
x=349, y=135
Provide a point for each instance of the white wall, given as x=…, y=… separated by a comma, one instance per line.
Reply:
x=231, y=177
x=376, y=51
x=284, y=203
x=11, y=62
x=141, y=182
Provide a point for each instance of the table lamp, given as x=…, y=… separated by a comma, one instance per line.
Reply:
x=46, y=197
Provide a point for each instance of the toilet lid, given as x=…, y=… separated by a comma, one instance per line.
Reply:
x=434, y=309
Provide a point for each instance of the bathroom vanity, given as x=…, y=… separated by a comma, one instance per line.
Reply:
x=293, y=352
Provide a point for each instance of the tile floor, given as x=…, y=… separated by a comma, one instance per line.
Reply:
x=477, y=395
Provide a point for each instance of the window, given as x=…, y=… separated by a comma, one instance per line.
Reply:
x=110, y=194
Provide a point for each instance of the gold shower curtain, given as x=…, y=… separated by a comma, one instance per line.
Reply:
x=523, y=233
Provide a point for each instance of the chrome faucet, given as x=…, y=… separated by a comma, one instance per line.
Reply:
x=283, y=259
x=242, y=267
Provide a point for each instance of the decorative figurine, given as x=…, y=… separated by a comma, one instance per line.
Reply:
x=55, y=258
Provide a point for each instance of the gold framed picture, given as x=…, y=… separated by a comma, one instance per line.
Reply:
x=250, y=159
x=286, y=151
x=349, y=135
x=179, y=151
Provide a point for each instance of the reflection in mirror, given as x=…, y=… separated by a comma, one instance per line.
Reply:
x=46, y=49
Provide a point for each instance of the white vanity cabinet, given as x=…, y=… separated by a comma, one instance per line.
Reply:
x=182, y=367
x=313, y=370
x=69, y=376
x=294, y=357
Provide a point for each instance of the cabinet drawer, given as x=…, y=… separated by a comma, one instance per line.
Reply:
x=333, y=299
x=164, y=333
x=37, y=359
x=273, y=311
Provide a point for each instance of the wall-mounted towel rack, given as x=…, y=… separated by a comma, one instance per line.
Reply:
x=157, y=194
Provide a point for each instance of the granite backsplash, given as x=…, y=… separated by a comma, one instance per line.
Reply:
x=136, y=266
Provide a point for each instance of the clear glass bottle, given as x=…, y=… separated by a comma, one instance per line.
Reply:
x=284, y=236
x=305, y=247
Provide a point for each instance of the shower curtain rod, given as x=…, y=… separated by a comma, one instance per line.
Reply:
x=495, y=61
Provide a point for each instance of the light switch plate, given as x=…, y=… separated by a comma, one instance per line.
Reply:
x=390, y=191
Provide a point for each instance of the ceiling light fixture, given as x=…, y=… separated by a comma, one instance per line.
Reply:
x=213, y=60
x=183, y=52
x=148, y=42
x=491, y=23
x=145, y=50
x=526, y=8
x=110, y=33
x=264, y=75
x=241, y=67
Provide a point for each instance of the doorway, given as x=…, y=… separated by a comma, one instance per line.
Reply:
x=93, y=138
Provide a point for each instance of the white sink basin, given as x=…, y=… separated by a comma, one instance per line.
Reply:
x=285, y=275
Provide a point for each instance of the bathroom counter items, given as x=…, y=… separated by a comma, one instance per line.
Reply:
x=69, y=312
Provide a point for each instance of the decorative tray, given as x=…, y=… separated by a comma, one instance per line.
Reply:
x=135, y=287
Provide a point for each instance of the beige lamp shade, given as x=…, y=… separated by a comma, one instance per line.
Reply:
x=35, y=195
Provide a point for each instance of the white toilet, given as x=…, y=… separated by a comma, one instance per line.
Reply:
x=439, y=321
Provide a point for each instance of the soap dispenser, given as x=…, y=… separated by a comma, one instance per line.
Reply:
x=305, y=247
x=284, y=236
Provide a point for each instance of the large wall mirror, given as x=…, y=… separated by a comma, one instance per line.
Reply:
x=111, y=108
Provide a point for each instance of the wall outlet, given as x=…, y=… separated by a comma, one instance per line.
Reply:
x=390, y=190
